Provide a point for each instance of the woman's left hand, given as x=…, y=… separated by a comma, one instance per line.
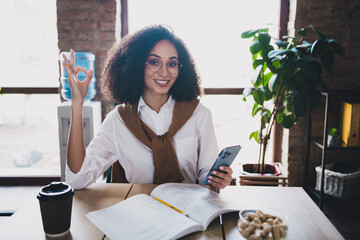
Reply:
x=221, y=179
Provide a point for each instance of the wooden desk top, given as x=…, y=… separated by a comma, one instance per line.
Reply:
x=305, y=220
x=26, y=223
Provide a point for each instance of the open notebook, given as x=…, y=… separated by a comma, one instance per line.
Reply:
x=171, y=211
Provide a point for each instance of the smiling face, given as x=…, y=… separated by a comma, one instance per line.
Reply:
x=158, y=83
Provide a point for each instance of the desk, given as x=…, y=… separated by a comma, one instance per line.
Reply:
x=305, y=220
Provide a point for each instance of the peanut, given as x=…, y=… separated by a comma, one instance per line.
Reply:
x=260, y=226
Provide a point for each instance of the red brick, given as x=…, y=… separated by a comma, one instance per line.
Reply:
x=83, y=25
x=101, y=54
x=87, y=5
x=65, y=35
x=102, y=35
x=94, y=16
x=107, y=26
x=78, y=15
x=299, y=128
x=107, y=17
x=63, y=25
x=109, y=6
x=80, y=35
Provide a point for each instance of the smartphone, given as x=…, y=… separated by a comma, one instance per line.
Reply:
x=225, y=158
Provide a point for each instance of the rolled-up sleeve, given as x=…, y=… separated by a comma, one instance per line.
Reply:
x=208, y=147
x=100, y=155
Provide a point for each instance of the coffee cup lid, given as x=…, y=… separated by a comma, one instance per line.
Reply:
x=55, y=191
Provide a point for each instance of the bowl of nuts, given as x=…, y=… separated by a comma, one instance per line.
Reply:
x=262, y=224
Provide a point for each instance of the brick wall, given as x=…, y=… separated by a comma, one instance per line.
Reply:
x=88, y=26
x=339, y=20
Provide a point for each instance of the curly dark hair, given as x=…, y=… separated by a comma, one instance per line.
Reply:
x=123, y=77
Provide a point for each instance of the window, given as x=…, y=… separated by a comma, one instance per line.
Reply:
x=28, y=120
x=212, y=29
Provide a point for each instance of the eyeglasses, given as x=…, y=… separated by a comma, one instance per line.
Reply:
x=154, y=65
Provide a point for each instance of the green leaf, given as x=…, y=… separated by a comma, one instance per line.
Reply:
x=319, y=48
x=319, y=34
x=249, y=33
x=281, y=44
x=266, y=112
x=289, y=107
x=327, y=60
x=293, y=38
x=257, y=76
x=264, y=120
x=334, y=132
x=280, y=117
x=247, y=92
x=268, y=95
x=267, y=78
x=288, y=121
x=254, y=135
x=273, y=82
x=255, y=109
x=337, y=48
x=313, y=71
x=255, y=47
x=302, y=32
x=258, y=96
x=257, y=62
x=264, y=39
x=304, y=45
x=288, y=68
x=265, y=51
x=299, y=80
x=275, y=53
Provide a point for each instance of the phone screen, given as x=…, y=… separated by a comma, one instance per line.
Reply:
x=225, y=158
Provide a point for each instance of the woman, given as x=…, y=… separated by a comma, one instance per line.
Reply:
x=160, y=132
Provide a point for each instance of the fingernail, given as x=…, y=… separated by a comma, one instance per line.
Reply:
x=214, y=172
x=209, y=181
x=222, y=168
x=210, y=177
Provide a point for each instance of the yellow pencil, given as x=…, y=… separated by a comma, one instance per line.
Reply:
x=170, y=206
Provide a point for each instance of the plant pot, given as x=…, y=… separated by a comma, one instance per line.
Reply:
x=270, y=169
x=333, y=141
x=272, y=175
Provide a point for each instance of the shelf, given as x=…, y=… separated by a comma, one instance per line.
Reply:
x=318, y=142
x=345, y=154
x=315, y=194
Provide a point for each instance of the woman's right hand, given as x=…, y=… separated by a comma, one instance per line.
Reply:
x=78, y=88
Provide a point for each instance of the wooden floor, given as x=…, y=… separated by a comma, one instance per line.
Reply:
x=344, y=214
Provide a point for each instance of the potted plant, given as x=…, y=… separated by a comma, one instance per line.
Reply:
x=287, y=80
x=333, y=137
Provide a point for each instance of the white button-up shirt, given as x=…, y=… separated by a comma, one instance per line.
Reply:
x=195, y=145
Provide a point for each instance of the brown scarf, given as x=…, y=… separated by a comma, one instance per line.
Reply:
x=166, y=166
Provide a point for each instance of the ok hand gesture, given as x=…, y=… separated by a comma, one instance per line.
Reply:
x=78, y=88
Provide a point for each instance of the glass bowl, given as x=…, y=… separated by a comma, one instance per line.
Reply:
x=262, y=223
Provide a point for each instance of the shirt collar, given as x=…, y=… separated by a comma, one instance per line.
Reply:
x=169, y=104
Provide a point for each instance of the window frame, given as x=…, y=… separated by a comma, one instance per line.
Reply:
x=29, y=180
x=38, y=180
